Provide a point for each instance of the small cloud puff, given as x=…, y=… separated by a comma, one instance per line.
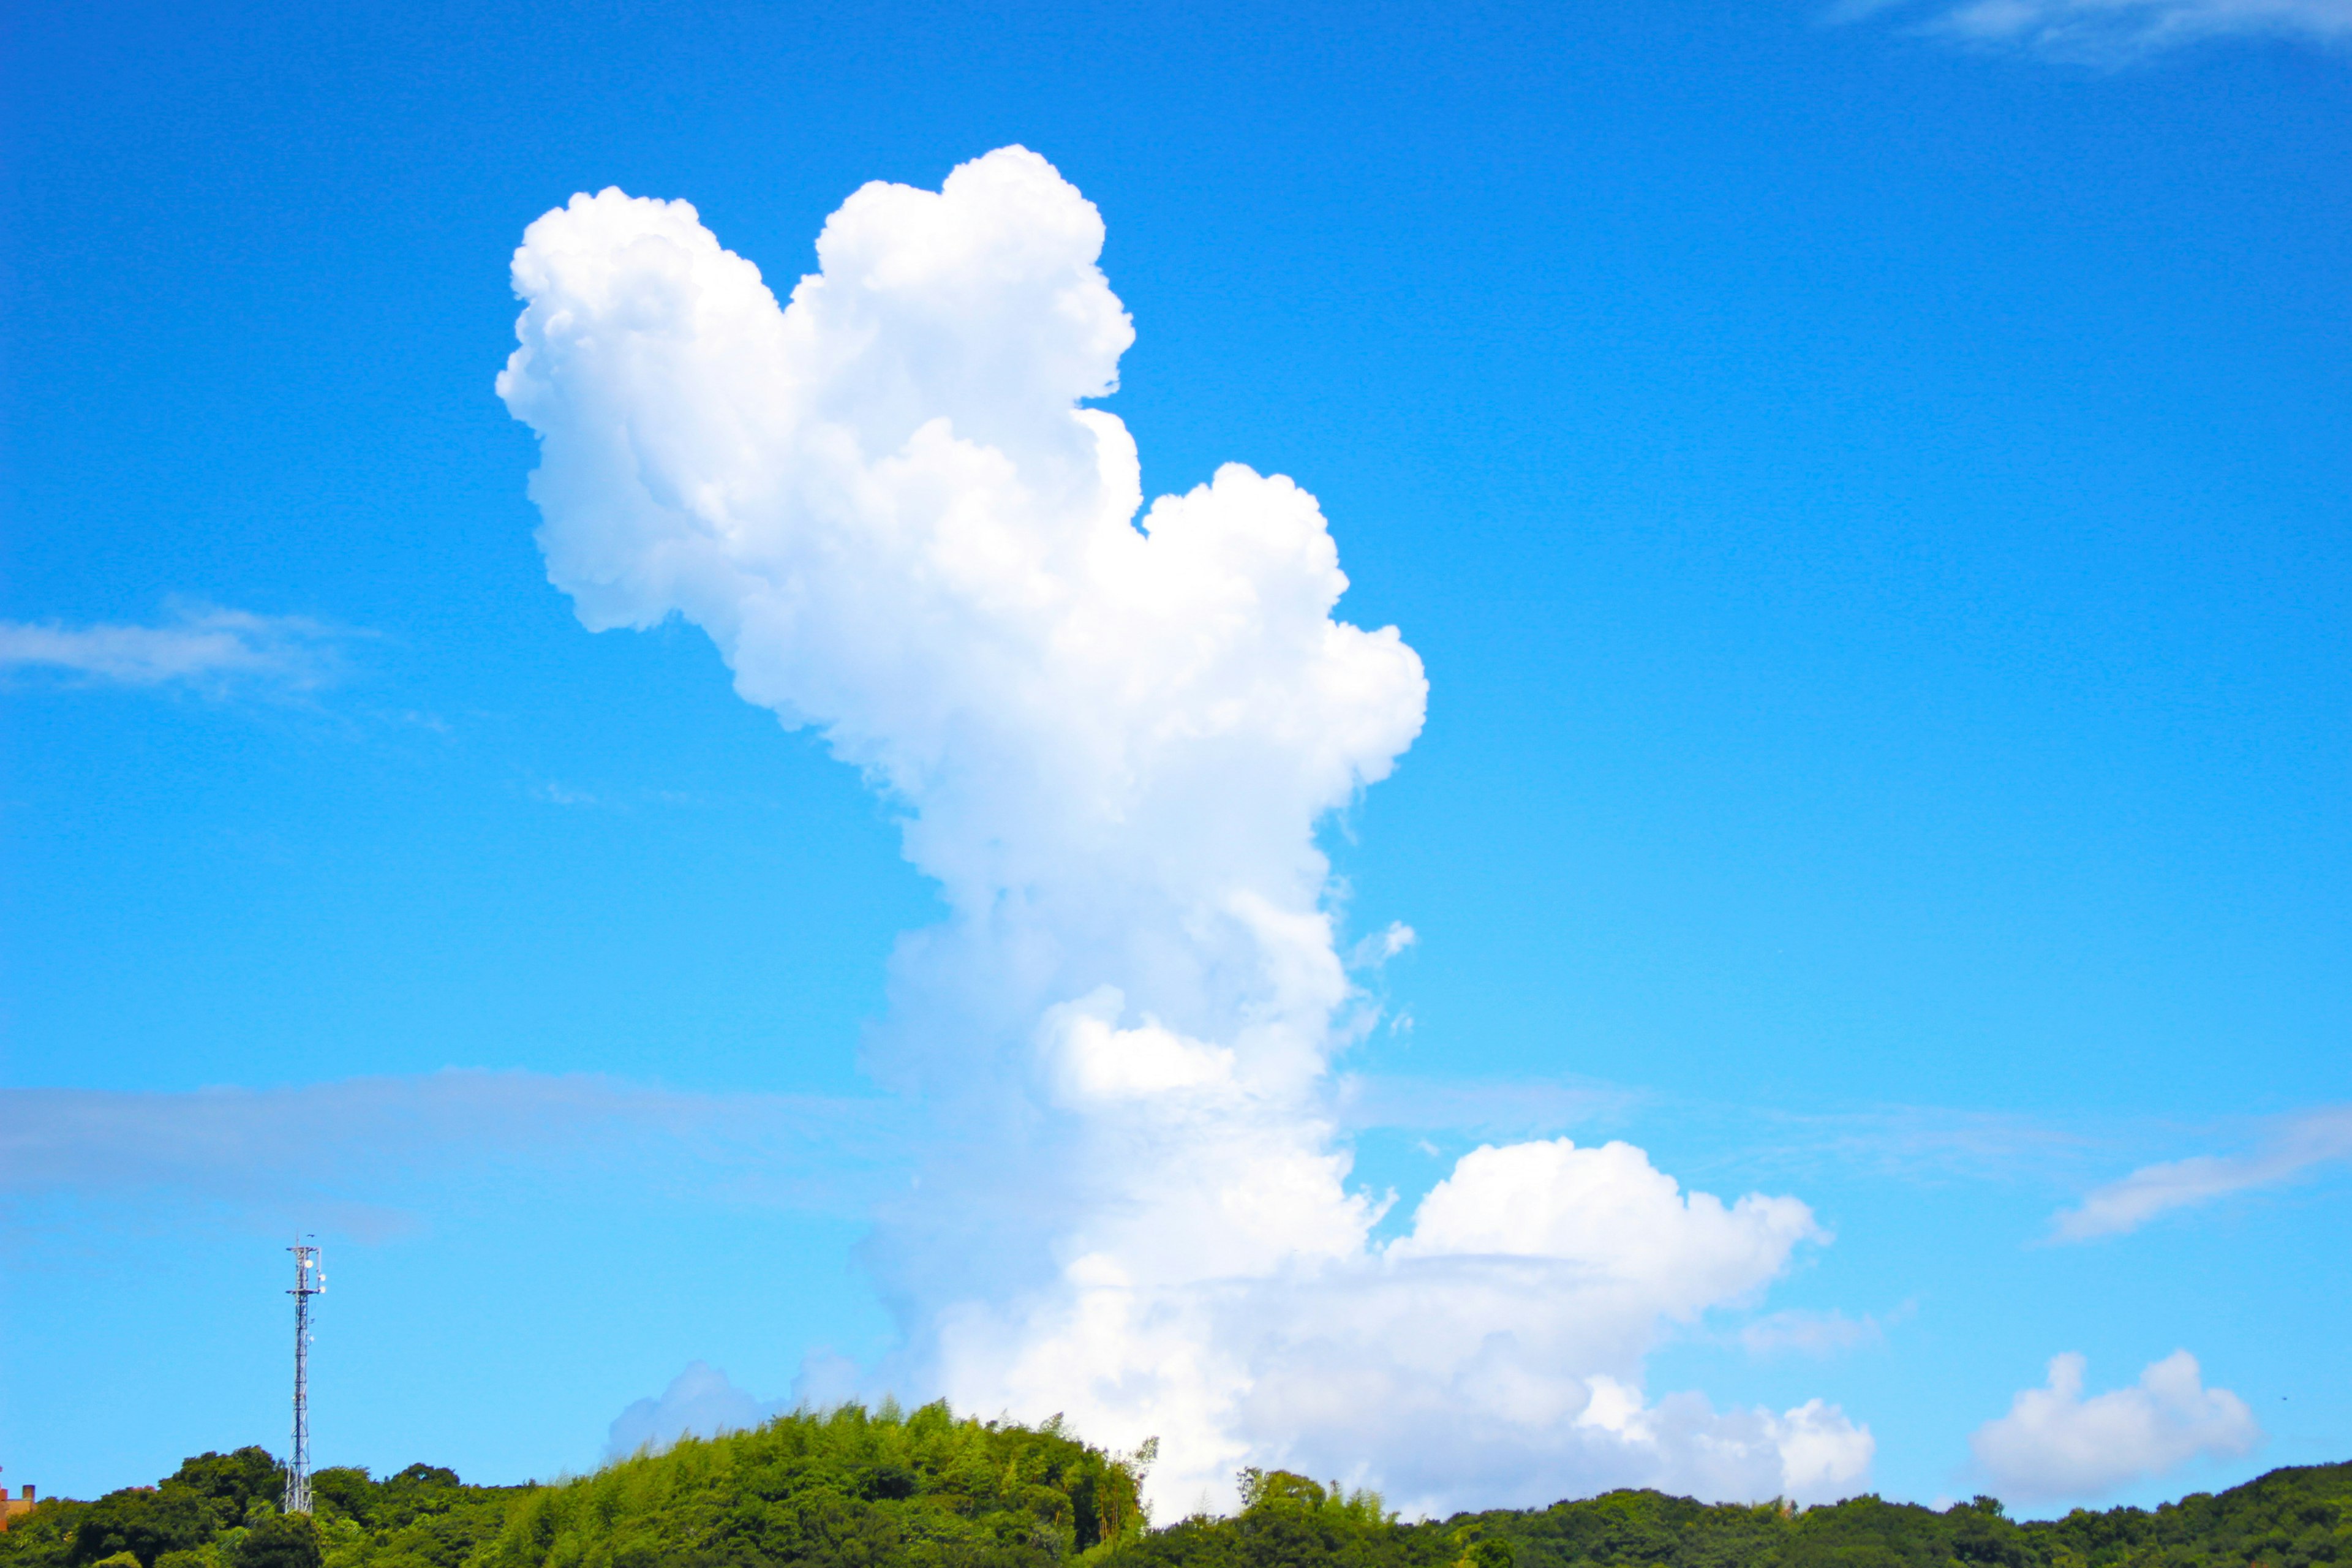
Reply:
x=2053, y=1443
x=1610, y=1211
x=701, y=1402
x=1376, y=949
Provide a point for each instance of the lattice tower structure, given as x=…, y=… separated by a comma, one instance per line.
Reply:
x=310, y=1279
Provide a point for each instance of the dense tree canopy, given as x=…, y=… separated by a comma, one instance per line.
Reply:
x=220, y=1510
x=858, y=1488
x=850, y=1488
x=2288, y=1518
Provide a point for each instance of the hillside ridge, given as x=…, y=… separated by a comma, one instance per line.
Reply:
x=852, y=1487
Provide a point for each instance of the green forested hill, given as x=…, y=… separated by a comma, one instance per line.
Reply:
x=2288, y=1518
x=848, y=1488
x=853, y=1488
x=220, y=1510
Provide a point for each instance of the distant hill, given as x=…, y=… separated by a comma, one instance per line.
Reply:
x=858, y=1488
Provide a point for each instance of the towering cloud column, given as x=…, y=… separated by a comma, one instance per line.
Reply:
x=1111, y=740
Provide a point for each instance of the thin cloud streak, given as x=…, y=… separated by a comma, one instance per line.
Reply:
x=202, y=647
x=1492, y=1107
x=1821, y=1335
x=2296, y=1146
x=360, y=1145
x=1923, y=1145
x=2118, y=32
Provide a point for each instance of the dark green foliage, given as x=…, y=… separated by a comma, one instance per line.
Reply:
x=1638, y=1527
x=43, y=1535
x=146, y=1523
x=1290, y=1520
x=1283, y=1538
x=220, y=1510
x=285, y=1541
x=2288, y=1518
x=234, y=1482
x=422, y=1517
x=175, y=1519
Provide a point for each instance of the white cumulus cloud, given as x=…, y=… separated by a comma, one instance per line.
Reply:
x=1110, y=731
x=2053, y=1443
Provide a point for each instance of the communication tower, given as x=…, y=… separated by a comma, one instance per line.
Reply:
x=310, y=1279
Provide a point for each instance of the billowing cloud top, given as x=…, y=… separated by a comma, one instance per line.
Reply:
x=1112, y=737
x=884, y=505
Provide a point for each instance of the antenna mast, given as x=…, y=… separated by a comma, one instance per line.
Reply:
x=298, y=1464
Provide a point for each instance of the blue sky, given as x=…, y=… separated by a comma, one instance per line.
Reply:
x=1868, y=493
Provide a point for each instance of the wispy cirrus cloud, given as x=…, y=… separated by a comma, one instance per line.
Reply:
x=2117, y=32
x=357, y=1149
x=1922, y=1144
x=2291, y=1147
x=1489, y=1107
x=195, y=646
x=1797, y=1331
